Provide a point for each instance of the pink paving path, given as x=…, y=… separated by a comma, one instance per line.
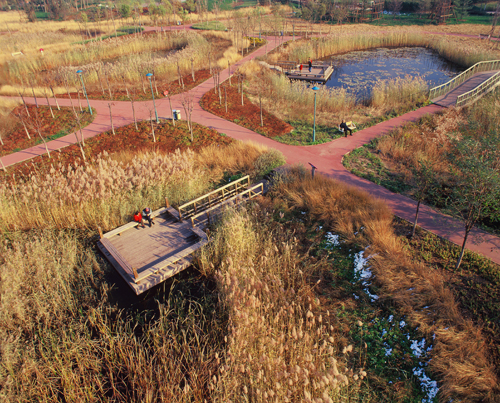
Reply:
x=326, y=157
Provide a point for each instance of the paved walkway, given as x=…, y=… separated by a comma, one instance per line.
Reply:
x=326, y=157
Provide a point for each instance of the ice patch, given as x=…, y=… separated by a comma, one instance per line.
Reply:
x=364, y=273
x=355, y=296
x=418, y=347
x=388, y=349
x=333, y=239
x=429, y=387
x=391, y=318
x=402, y=323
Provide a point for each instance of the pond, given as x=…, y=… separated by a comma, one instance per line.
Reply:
x=359, y=71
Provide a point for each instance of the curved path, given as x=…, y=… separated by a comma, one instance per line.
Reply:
x=326, y=157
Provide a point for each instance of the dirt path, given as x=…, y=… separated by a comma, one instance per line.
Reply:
x=326, y=157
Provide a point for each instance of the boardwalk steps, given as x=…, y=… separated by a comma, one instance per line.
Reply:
x=145, y=257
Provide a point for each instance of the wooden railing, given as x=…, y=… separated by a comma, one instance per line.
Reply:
x=211, y=199
x=456, y=81
x=211, y=212
x=479, y=91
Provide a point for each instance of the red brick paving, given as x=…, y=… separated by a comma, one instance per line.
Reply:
x=326, y=157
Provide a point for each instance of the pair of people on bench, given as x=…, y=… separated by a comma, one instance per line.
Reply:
x=144, y=216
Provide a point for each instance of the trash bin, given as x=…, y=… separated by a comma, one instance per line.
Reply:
x=174, y=114
x=178, y=114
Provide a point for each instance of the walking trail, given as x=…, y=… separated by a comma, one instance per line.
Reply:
x=326, y=157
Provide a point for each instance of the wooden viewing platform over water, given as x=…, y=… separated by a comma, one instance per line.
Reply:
x=145, y=257
x=320, y=72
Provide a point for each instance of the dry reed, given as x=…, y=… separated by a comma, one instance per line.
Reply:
x=460, y=354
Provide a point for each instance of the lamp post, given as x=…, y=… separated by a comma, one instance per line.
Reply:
x=79, y=72
x=149, y=75
x=314, y=127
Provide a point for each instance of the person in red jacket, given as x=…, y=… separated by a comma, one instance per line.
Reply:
x=138, y=218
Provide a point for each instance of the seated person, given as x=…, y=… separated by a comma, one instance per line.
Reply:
x=343, y=126
x=146, y=215
x=138, y=218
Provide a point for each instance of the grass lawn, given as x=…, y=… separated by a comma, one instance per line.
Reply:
x=231, y=5
x=415, y=19
x=211, y=26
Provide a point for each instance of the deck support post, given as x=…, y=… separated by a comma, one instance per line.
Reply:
x=167, y=205
x=180, y=214
x=192, y=222
x=135, y=273
x=100, y=232
x=208, y=218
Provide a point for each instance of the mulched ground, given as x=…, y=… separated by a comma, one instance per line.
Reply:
x=168, y=139
x=246, y=115
x=63, y=123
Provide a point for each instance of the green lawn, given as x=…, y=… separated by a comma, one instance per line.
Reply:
x=231, y=5
x=211, y=26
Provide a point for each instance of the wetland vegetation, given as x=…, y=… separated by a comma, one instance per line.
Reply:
x=311, y=293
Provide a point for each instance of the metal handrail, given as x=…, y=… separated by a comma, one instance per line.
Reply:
x=456, y=81
x=480, y=90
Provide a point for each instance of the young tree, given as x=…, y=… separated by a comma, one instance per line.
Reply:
x=476, y=166
x=187, y=102
x=423, y=177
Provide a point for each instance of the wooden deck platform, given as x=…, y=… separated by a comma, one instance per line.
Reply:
x=145, y=257
x=319, y=73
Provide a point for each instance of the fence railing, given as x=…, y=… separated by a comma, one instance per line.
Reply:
x=456, y=81
x=479, y=91
x=212, y=212
x=211, y=199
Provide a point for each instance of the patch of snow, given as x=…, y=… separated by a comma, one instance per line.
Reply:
x=391, y=317
x=384, y=332
x=429, y=387
x=388, y=349
x=355, y=296
x=333, y=239
x=402, y=323
x=417, y=347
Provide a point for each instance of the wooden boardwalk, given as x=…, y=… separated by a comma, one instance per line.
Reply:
x=450, y=99
x=147, y=256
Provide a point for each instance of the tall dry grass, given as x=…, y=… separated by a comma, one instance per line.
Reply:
x=60, y=338
x=462, y=51
x=460, y=356
x=280, y=347
x=399, y=92
x=106, y=191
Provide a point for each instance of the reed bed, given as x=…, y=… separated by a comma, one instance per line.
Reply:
x=61, y=339
x=106, y=191
x=460, y=356
x=462, y=51
x=399, y=92
x=279, y=347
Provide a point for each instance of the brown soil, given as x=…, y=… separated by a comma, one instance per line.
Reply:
x=168, y=139
x=246, y=115
x=63, y=123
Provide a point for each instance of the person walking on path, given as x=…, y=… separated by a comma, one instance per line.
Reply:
x=146, y=215
x=310, y=65
x=346, y=128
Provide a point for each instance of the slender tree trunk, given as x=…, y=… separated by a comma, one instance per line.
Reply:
x=24, y=103
x=34, y=96
x=3, y=166
x=171, y=111
x=152, y=126
x=416, y=220
x=109, y=86
x=80, y=144
x=55, y=99
x=261, y=117
x=229, y=67
x=50, y=107
x=79, y=101
x=44, y=142
x=133, y=108
x=111, y=119
x=25, y=128
x=225, y=97
x=99, y=78
x=192, y=69
x=459, y=261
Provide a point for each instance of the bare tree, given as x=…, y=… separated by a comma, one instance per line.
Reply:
x=110, y=104
x=131, y=102
x=187, y=102
x=37, y=124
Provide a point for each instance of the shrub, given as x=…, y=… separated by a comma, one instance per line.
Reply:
x=266, y=162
